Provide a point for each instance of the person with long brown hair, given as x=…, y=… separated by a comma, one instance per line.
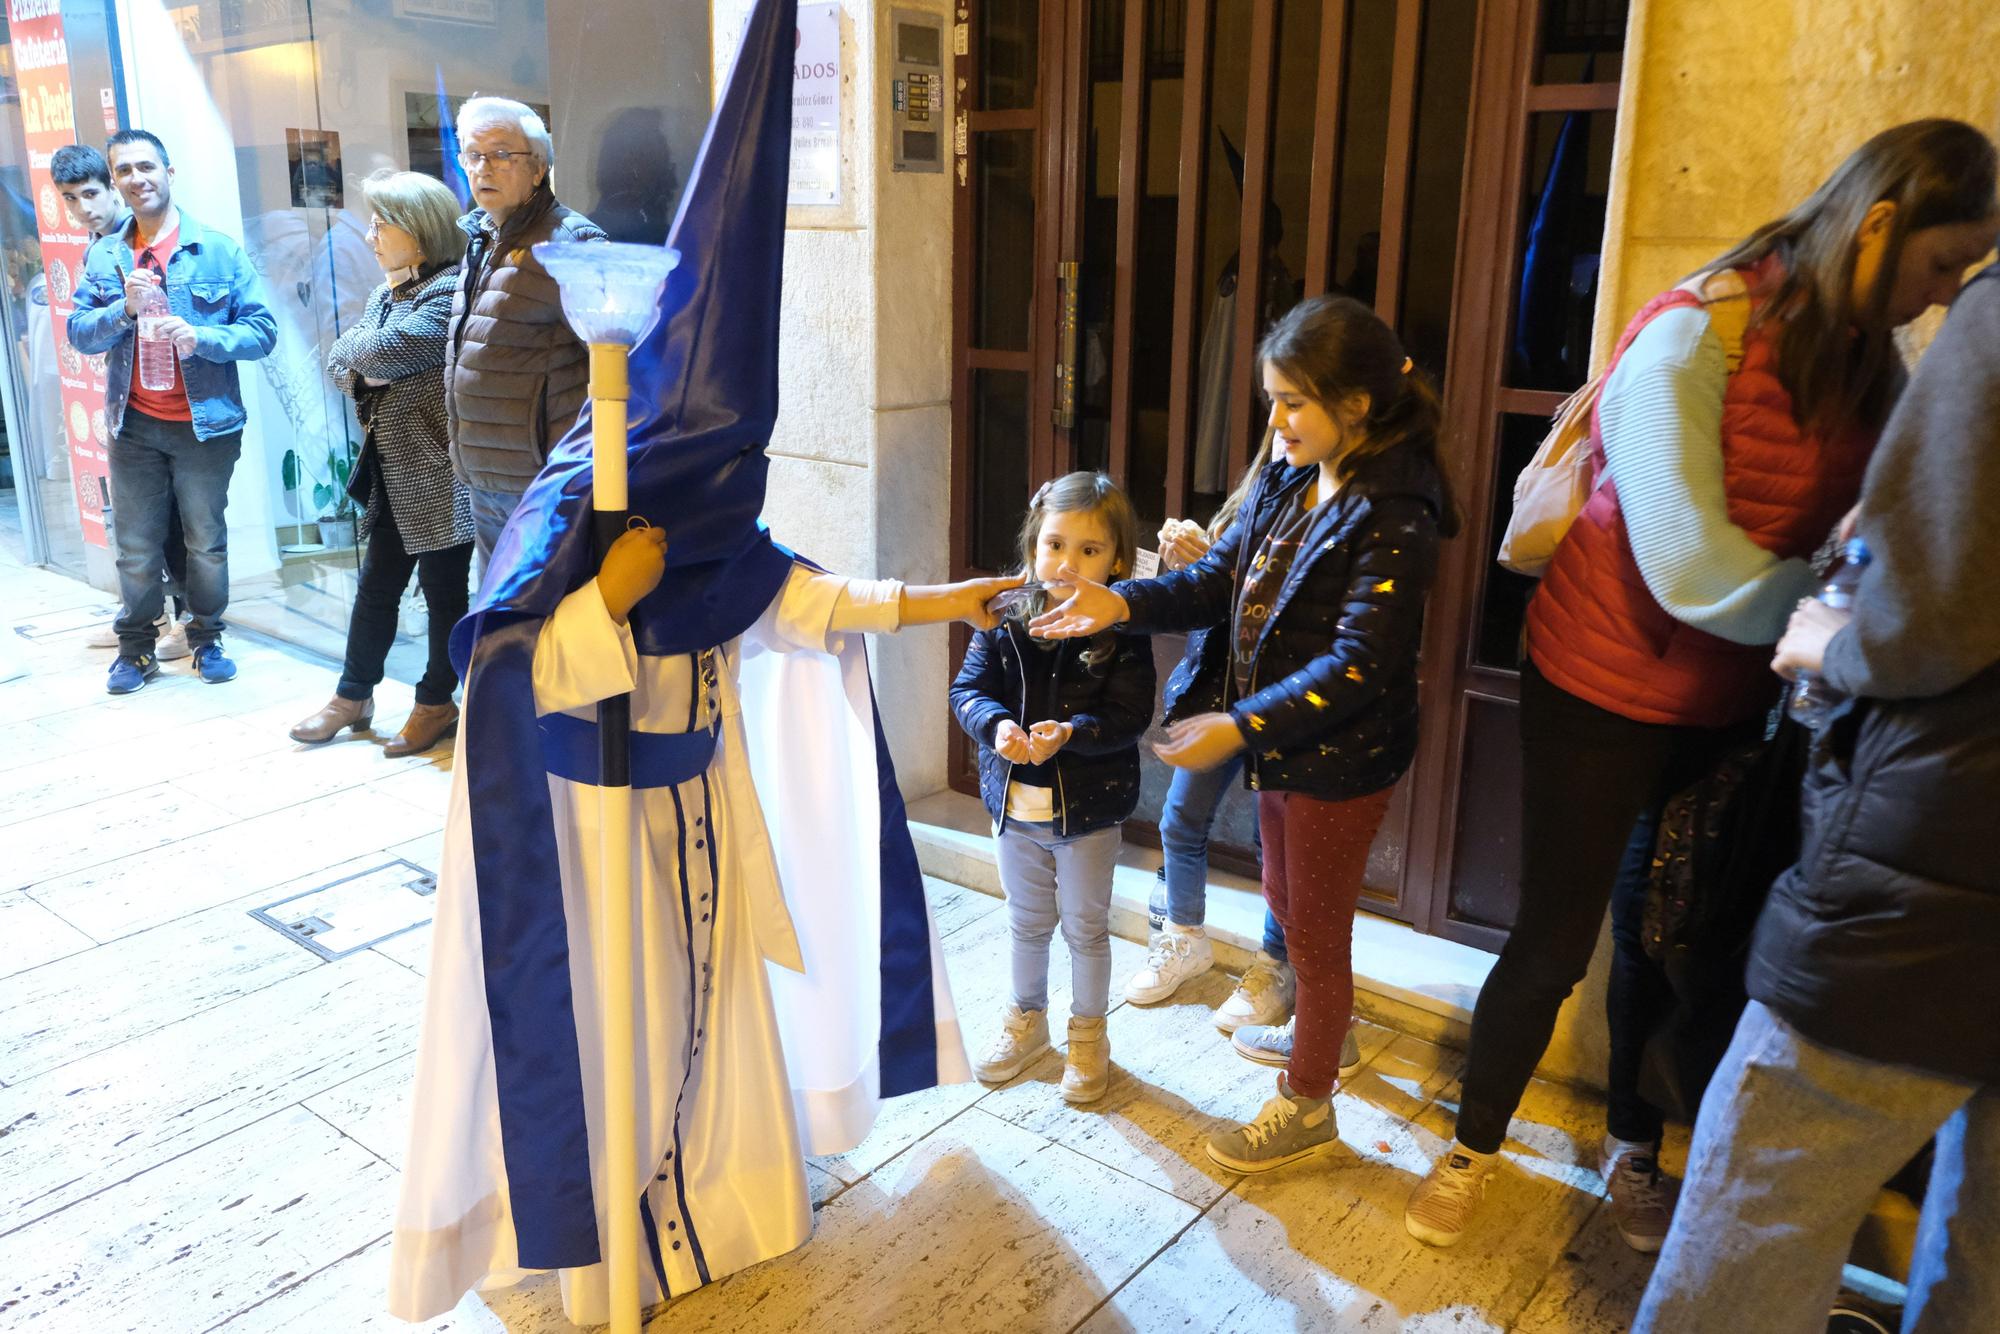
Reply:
x=1649, y=639
x=1320, y=585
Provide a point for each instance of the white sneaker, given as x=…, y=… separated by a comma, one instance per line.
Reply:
x=1175, y=957
x=104, y=636
x=172, y=643
x=1264, y=996
x=1444, y=1201
x=1087, y=1063
x=1271, y=1044
x=1024, y=1035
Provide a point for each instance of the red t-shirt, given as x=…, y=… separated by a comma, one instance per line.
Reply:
x=165, y=404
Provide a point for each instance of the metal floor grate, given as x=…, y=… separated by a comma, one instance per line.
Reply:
x=347, y=915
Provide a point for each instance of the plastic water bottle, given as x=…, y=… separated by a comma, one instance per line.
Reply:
x=1156, y=902
x=1813, y=699
x=158, y=363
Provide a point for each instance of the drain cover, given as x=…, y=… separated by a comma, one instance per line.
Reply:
x=355, y=911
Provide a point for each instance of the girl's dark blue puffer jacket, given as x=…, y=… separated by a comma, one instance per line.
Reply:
x=1332, y=707
x=1108, y=707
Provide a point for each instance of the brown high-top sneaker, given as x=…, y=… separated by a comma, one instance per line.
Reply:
x=338, y=713
x=425, y=727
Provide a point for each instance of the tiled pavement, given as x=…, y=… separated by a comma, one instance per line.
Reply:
x=201, y=1123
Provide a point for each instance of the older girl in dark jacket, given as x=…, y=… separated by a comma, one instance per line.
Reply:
x=1058, y=727
x=1320, y=585
x=418, y=517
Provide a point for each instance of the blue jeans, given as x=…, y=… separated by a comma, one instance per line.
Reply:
x=1049, y=878
x=157, y=466
x=1193, y=797
x=490, y=512
x=1793, y=1143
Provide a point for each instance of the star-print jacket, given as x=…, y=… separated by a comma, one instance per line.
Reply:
x=1331, y=711
x=1108, y=706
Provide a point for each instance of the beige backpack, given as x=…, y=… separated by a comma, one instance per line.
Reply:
x=1553, y=489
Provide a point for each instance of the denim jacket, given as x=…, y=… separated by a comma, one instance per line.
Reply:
x=211, y=285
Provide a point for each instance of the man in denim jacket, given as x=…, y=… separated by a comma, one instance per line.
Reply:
x=181, y=443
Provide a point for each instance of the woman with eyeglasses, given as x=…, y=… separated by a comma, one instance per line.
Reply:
x=515, y=375
x=418, y=516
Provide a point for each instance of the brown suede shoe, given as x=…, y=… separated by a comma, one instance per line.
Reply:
x=338, y=713
x=425, y=727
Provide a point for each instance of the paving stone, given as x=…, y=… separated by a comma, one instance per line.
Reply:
x=117, y=898
x=34, y=935
x=981, y=1227
x=92, y=1122
x=373, y=1108
x=65, y=1011
x=201, y=1238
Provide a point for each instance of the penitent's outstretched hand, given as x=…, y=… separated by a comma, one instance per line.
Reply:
x=1089, y=609
x=929, y=604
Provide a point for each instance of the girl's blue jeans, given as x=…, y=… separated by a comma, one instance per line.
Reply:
x=1192, y=800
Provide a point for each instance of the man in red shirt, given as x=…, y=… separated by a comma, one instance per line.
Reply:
x=179, y=443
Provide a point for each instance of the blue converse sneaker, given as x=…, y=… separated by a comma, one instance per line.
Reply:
x=130, y=674
x=214, y=666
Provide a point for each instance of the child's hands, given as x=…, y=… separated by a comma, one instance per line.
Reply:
x=1012, y=744
x=631, y=569
x=1046, y=738
x=1201, y=742
x=1182, y=543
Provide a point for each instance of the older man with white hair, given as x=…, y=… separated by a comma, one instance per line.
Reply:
x=515, y=374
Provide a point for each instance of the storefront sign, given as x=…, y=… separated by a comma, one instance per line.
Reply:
x=41, y=65
x=816, y=108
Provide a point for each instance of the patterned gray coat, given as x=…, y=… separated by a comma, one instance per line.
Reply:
x=400, y=338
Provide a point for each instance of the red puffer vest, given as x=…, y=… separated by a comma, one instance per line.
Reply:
x=1596, y=631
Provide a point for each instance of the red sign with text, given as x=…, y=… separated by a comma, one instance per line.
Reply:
x=41, y=65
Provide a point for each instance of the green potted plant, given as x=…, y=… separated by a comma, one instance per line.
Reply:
x=329, y=492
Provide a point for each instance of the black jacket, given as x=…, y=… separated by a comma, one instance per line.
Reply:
x=1884, y=940
x=1108, y=707
x=1332, y=709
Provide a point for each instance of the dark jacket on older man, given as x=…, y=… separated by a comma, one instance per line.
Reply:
x=1330, y=704
x=405, y=460
x=515, y=374
x=1884, y=941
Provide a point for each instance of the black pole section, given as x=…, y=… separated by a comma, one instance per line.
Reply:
x=614, y=715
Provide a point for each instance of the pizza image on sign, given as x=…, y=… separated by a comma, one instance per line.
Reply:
x=79, y=422
x=99, y=429
x=59, y=288
x=52, y=209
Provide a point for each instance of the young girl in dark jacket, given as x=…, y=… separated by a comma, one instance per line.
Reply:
x=1058, y=727
x=1320, y=586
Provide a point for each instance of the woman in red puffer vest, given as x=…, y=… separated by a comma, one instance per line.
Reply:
x=1649, y=641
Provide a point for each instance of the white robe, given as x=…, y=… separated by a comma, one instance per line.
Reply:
x=765, y=1064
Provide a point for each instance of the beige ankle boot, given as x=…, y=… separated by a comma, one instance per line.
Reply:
x=338, y=713
x=1087, y=1065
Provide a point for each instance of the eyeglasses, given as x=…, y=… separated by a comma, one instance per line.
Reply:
x=472, y=161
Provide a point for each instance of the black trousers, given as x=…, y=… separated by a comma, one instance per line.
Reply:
x=385, y=572
x=1592, y=785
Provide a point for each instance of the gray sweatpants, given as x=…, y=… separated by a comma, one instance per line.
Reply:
x=1048, y=879
x=1793, y=1142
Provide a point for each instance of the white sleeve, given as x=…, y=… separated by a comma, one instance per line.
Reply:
x=582, y=655
x=1661, y=421
x=813, y=610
